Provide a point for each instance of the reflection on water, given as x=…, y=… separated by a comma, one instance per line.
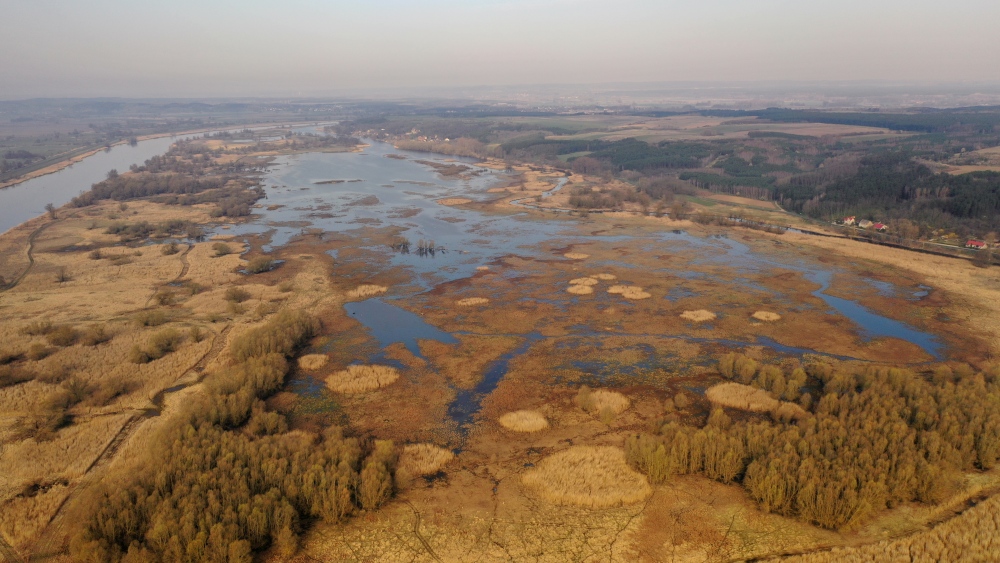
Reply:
x=390, y=324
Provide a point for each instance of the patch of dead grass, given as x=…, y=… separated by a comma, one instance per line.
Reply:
x=312, y=362
x=367, y=290
x=767, y=316
x=358, y=379
x=576, y=255
x=605, y=276
x=698, y=316
x=469, y=301
x=524, y=421
x=580, y=289
x=421, y=459
x=590, y=476
x=629, y=291
x=583, y=281
x=454, y=201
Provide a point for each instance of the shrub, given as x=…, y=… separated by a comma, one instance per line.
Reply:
x=53, y=375
x=37, y=328
x=286, y=286
x=38, y=351
x=164, y=298
x=237, y=295
x=62, y=335
x=12, y=375
x=195, y=334
x=169, y=249
x=62, y=275
x=376, y=477
x=221, y=249
x=94, y=334
x=95, y=254
x=150, y=317
x=108, y=390
x=260, y=265
x=159, y=344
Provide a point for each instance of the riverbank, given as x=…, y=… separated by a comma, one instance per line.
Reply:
x=71, y=160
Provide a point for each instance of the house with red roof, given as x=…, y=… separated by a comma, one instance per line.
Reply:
x=976, y=244
x=880, y=227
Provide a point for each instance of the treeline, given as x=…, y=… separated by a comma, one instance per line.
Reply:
x=229, y=479
x=891, y=184
x=977, y=119
x=134, y=186
x=872, y=438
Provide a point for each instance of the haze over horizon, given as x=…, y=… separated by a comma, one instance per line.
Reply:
x=186, y=48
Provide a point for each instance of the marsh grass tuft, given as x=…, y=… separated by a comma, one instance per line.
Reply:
x=590, y=476
x=576, y=255
x=367, y=290
x=313, y=362
x=766, y=316
x=420, y=459
x=580, y=289
x=468, y=301
x=524, y=421
x=583, y=281
x=698, y=316
x=358, y=379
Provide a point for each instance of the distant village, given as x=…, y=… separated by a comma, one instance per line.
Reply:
x=865, y=224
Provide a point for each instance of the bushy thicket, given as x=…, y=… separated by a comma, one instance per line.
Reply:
x=874, y=438
x=228, y=479
x=132, y=186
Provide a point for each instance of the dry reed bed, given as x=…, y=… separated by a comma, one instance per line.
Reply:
x=359, y=379
x=576, y=255
x=747, y=398
x=454, y=201
x=583, y=281
x=469, y=301
x=313, y=362
x=524, y=421
x=766, y=316
x=422, y=459
x=590, y=476
x=629, y=291
x=366, y=290
x=580, y=289
x=605, y=276
x=698, y=316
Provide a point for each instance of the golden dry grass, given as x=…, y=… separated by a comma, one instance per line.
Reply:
x=482, y=268
x=610, y=400
x=366, y=290
x=312, y=362
x=605, y=276
x=583, y=281
x=629, y=291
x=358, y=379
x=767, y=316
x=524, y=421
x=590, y=476
x=580, y=289
x=421, y=459
x=743, y=397
x=576, y=255
x=454, y=201
x=469, y=301
x=698, y=316
x=747, y=398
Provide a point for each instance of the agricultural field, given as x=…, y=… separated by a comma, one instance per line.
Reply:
x=309, y=349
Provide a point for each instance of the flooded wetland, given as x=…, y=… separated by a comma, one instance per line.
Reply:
x=490, y=308
x=512, y=350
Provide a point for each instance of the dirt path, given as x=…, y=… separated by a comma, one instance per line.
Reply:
x=31, y=258
x=52, y=541
x=185, y=266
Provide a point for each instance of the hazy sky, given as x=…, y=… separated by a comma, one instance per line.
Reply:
x=313, y=47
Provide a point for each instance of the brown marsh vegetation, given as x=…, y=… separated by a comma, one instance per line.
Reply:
x=629, y=460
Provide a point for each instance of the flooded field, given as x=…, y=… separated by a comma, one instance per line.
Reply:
x=466, y=277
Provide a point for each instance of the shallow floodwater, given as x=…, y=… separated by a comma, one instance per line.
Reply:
x=382, y=187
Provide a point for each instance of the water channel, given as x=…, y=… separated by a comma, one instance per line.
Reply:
x=342, y=193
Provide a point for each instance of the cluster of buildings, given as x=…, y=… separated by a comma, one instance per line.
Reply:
x=866, y=224
x=974, y=244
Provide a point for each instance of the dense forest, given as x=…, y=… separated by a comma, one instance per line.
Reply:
x=868, y=439
x=229, y=478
